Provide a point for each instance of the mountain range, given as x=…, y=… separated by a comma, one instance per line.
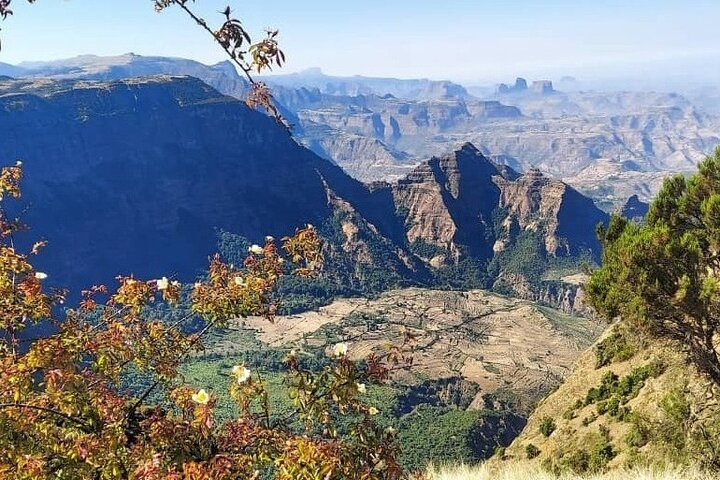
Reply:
x=609, y=145
x=146, y=171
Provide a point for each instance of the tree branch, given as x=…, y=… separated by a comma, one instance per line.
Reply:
x=74, y=420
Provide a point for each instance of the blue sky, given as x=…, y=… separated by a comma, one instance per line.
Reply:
x=465, y=40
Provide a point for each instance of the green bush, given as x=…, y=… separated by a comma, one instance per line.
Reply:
x=637, y=437
x=613, y=406
x=569, y=414
x=615, y=348
x=531, y=451
x=622, y=389
x=547, y=426
x=577, y=461
x=600, y=456
x=589, y=419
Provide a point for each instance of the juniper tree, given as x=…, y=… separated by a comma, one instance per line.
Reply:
x=664, y=276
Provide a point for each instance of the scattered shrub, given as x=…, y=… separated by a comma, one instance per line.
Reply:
x=577, y=461
x=569, y=414
x=547, y=426
x=637, y=436
x=531, y=451
x=622, y=389
x=615, y=348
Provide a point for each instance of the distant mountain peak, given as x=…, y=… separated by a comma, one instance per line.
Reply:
x=634, y=208
x=468, y=147
x=314, y=71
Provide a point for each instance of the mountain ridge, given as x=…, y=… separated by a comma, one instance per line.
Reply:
x=170, y=160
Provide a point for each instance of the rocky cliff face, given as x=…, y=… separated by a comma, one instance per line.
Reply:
x=465, y=202
x=145, y=170
x=448, y=203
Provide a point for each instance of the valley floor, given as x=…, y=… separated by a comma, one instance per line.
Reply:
x=522, y=471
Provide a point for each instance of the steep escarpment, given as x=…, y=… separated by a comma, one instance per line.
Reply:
x=145, y=171
x=448, y=203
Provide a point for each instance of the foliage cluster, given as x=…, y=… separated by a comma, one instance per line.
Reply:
x=547, y=426
x=616, y=347
x=580, y=460
x=64, y=411
x=614, y=391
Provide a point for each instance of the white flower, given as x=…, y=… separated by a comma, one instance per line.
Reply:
x=310, y=226
x=163, y=283
x=256, y=250
x=390, y=431
x=175, y=283
x=361, y=387
x=40, y=275
x=18, y=163
x=373, y=411
x=201, y=397
x=239, y=281
x=269, y=239
x=242, y=373
x=340, y=349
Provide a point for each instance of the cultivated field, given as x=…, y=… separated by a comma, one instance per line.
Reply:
x=494, y=341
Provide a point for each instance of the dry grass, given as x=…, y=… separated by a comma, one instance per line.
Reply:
x=522, y=471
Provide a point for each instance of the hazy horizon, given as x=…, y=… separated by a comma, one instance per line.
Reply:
x=468, y=42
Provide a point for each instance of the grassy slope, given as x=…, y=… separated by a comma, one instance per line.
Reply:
x=525, y=471
x=664, y=420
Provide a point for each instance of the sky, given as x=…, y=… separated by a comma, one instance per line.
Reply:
x=462, y=40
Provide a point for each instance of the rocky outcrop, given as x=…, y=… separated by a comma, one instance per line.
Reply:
x=449, y=203
x=465, y=202
x=635, y=209
x=519, y=87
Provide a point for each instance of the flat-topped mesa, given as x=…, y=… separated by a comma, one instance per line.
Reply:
x=543, y=87
x=520, y=84
x=540, y=87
